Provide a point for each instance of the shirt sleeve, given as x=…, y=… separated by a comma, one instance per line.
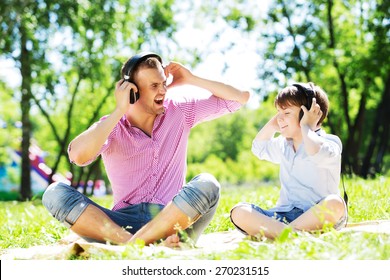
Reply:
x=102, y=149
x=329, y=152
x=200, y=110
x=270, y=150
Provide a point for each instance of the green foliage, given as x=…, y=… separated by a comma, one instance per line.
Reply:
x=368, y=199
x=76, y=50
x=223, y=145
x=343, y=46
x=237, y=19
x=9, y=121
x=27, y=224
x=161, y=16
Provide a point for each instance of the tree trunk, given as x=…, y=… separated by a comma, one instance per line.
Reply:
x=358, y=132
x=346, y=160
x=25, y=184
x=384, y=144
x=379, y=136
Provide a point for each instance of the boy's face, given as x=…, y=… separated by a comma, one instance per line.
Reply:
x=288, y=121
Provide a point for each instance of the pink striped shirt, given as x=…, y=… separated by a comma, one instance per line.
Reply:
x=152, y=169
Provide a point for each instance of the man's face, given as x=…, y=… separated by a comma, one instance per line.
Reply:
x=288, y=121
x=152, y=88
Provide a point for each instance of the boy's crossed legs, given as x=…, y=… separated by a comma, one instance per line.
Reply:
x=252, y=220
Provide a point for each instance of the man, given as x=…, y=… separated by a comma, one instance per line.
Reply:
x=143, y=144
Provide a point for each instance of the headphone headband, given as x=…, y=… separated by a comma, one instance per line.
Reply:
x=307, y=91
x=130, y=66
x=133, y=62
x=309, y=94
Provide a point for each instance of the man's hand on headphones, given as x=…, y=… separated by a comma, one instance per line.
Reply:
x=122, y=91
x=180, y=74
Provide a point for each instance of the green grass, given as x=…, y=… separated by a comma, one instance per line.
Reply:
x=27, y=224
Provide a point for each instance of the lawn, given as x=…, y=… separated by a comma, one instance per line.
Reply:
x=28, y=224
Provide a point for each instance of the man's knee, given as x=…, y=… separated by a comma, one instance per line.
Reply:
x=53, y=195
x=209, y=186
x=199, y=196
x=63, y=202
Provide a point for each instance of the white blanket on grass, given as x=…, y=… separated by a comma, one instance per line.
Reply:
x=207, y=243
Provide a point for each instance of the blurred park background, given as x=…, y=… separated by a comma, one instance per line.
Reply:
x=60, y=60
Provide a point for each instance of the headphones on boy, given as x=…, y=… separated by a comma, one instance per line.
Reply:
x=308, y=92
x=130, y=66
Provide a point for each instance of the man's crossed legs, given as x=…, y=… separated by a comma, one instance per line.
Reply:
x=191, y=209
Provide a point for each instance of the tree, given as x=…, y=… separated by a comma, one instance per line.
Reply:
x=19, y=23
x=64, y=48
x=345, y=48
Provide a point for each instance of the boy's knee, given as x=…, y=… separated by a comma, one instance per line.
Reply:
x=335, y=204
x=238, y=215
x=238, y=212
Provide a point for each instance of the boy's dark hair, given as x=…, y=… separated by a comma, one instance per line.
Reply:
x=292, y=96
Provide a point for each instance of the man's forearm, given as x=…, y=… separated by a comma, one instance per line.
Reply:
x=222, y=90
x=169, y=221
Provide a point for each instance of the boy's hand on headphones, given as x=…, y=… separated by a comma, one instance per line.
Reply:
x=311, y=117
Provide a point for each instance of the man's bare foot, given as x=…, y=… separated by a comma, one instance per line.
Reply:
x=71, y=238
x=172, y=241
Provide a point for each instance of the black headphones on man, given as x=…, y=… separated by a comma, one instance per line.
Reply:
x=129, y=68
x=308, y=92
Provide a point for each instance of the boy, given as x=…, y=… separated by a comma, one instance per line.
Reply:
x=310, y=163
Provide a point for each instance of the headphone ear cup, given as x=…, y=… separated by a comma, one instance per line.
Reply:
x=300, y=114
x=134, y=96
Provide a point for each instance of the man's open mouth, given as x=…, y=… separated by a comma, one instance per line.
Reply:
x=159, y=100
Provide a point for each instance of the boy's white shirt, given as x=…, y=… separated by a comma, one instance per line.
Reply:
x=305, y=180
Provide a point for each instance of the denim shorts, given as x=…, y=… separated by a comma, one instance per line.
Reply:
x=286, y=217
x=198, y=199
